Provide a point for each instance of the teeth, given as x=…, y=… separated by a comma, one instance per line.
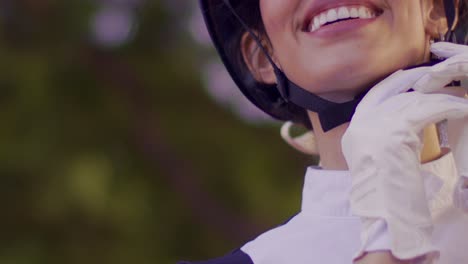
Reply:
x=332, y=15
x=317, y=22
x=313, y=28
x=363, y=12
x=323, y=19
x=343, y=12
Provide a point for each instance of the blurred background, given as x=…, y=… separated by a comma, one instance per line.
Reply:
x=123, y=140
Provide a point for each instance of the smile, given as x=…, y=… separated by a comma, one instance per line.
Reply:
x=339, y=14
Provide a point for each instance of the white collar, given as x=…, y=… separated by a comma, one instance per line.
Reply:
x=327, y=192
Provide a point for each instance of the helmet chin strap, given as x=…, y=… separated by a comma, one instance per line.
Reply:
x=331, y=114
x=450, y=12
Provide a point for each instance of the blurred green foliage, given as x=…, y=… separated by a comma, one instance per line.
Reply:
x=117, y=155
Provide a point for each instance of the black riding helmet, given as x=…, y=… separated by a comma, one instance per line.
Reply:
x=285, y=101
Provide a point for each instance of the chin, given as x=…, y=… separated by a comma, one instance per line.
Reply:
x=344, y=85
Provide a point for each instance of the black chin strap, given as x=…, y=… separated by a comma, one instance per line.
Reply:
x=331, y=114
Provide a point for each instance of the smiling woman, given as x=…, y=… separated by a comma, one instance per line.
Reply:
x=368, y=78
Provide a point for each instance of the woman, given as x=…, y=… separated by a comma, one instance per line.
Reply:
x=334, y=66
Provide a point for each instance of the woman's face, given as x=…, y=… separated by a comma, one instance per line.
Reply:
x=339, y=60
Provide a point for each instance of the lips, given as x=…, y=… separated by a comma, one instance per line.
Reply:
x=330, y=13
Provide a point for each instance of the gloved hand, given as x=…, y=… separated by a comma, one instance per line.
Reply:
x=455, y=68
x=382, y=148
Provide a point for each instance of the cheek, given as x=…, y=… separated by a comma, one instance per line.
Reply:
x=396, y=41
x=273, y=11
x=278, y=17
x=408, y=29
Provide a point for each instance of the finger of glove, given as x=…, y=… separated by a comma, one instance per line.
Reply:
x=458, y=135
x=395, y=193
x=428, y=109
x=460, y=195
x=454, y=69
x=389, y=184
x=447, y=49
x=396, y=83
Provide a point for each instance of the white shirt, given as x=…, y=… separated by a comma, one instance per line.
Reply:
x=325, y=231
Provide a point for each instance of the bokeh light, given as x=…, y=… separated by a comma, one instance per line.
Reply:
x=123, y=139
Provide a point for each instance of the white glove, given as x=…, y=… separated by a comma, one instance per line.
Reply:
x=455, y=68
x=460, y=150
x=382, y=148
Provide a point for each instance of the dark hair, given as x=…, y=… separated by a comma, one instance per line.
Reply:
x=249, y=10
x=461, y=31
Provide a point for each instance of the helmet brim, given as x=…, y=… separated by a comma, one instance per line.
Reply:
x=226, y=33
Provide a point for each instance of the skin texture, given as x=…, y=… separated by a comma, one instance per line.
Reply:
x=331, y=156
x=340, y=66
x=400, y=38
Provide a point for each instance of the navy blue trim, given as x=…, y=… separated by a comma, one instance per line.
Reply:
x=236, y=257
